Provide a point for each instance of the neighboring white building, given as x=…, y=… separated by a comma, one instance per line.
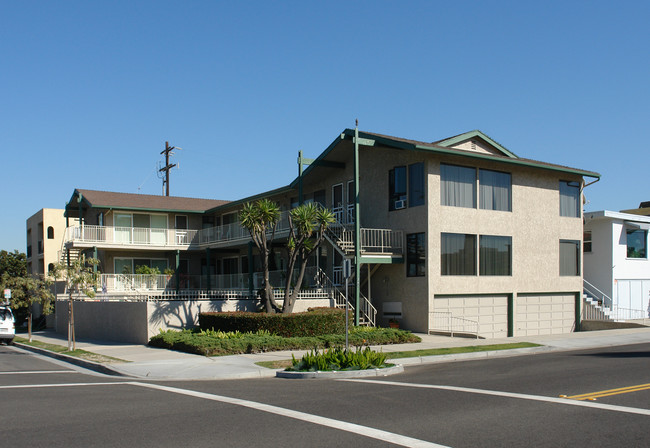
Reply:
x=616, y=261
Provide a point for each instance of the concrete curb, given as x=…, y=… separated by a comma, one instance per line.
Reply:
x=90, y=365
x=433, y=359
x=341, y=374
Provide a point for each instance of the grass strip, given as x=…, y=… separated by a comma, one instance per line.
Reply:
x=63, y=350
x=456, y=350
x=284, y=363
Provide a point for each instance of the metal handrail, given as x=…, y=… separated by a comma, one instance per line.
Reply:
x=593, y=291
x=446, y=322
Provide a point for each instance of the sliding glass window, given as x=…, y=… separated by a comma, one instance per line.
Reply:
x=495, y=190
x=458, y=254
x=457, y=186
x=495, y=255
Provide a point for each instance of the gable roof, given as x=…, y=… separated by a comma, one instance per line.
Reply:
x=143, y=202
x=451, y=141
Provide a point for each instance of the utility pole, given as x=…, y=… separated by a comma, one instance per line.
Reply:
x=167, y=151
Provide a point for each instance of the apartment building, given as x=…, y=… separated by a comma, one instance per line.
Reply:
x=457, y=235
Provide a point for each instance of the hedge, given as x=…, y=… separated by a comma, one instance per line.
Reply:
x=314, y=322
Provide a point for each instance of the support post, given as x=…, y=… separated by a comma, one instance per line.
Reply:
x=511, y=315
x=178, y=274
x=578, y=312
x=357, y=229
x=251, y=285
x=207, y=267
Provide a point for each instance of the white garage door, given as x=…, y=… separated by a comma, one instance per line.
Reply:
x=489, y=312
x=544, y=314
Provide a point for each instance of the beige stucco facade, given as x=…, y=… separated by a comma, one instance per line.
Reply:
x=45, y=230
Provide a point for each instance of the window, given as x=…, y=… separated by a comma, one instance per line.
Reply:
x=397, y=188
x=50, y=233
x=319, y=197
x=457, y=186
x=181, y=221
x=416, y=184
x=415, y=255
x=495, y=190
x=569, y=199
x=569, y=257
x=637, y=243
x=458, y=254
x=586, y=241
x=495, y=255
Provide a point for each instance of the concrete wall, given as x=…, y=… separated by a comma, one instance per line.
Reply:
x=137, y=322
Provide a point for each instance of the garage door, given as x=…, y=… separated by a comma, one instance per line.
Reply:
x=544, y=314
x=490, y=313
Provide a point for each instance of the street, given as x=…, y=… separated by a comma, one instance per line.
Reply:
x=511, y=401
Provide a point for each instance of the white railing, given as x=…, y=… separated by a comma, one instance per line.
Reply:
x=630, y=314
x=603, y=299
x=130, y=235
x=132, y=282
x=446, y=322
x=383, y=241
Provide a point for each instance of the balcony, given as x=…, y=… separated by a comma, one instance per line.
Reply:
x=373, y=241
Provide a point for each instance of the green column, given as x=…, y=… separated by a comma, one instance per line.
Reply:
x=178, y=274
x=511, y=315
x=207, y=266
x=578, y=311
x=251, y=286
x=300, y=198
x=95, y=265
x=357, y=230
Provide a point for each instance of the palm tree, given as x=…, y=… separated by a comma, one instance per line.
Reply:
x=260, y=219
x=307, y=224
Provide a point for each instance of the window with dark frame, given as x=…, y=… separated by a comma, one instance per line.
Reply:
x=415, y=255
x=495, y=190
x=396, y=187
x=569, y=258
x=416, y=184
x=495, y=255
x=586, y=241
x=637, y=241
x=569, y=199
x=458, y=254
x=457, y=186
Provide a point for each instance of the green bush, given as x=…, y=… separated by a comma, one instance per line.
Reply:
x=217, y=343
x=316, y=321
x=338, y=359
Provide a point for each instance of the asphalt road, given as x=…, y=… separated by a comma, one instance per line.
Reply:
x=494, y=402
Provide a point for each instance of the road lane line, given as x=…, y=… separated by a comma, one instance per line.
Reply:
x=39, y=386
x=609, y=392
x=564, y=401
x=30, y=372
x=365, y=431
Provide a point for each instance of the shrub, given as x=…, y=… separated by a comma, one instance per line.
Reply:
x=339, y=359
x=316, y=321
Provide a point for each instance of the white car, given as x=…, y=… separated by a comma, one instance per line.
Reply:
x=7, y=325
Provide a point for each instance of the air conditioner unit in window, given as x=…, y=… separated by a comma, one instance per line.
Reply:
x=400, y=204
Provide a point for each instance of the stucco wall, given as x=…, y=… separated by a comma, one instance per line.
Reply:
x=137, y=322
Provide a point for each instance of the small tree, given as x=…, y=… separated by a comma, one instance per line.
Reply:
x=307, y=224
x=261, y=218
x=26, y=290
x=79, y=276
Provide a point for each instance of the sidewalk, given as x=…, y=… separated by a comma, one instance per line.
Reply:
x=161, y=364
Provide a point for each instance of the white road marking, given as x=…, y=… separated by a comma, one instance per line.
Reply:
x=30, y=372
x=563, y=401
x=39, y=386
x=365, y=431
x=361, y=430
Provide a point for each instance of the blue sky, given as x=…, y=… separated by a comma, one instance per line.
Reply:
x=90, y=91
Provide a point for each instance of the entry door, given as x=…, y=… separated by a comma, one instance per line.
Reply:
x=337, y=202
x=123, y=228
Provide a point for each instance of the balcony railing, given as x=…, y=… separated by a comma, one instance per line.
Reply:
x=383, y=241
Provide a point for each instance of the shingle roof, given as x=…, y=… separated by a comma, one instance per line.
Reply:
x=109, y=199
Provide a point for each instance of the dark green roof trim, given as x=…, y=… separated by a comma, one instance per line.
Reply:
x=143, y=209
x=521, y=162
x=238, y=202
x=471, y=134
x=317, y=161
